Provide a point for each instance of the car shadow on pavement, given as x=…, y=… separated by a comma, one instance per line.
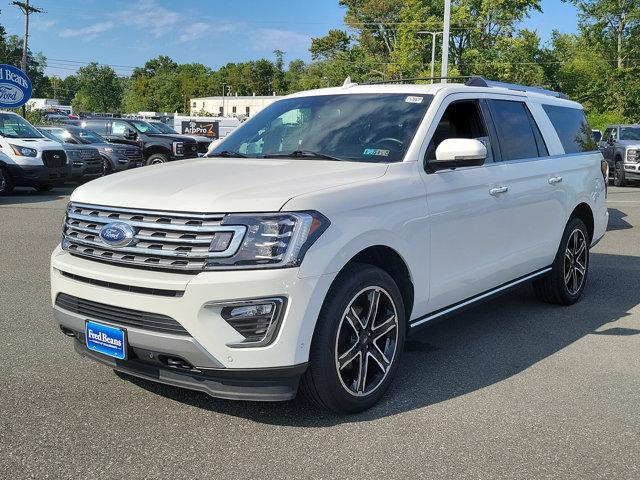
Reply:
x=617, y=220
x=25, y=196
x=478, y=348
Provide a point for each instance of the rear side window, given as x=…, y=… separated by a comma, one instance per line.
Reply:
x=572, y=128
x=518, y=133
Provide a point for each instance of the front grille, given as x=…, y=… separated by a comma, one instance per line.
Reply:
x=166, y=240
x=90, y=154
x=190, y=149
x=125, y=317
x=54, y=158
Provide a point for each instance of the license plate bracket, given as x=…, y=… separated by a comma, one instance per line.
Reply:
x=106, y=339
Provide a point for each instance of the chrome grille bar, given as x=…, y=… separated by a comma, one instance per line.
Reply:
x=168, y=240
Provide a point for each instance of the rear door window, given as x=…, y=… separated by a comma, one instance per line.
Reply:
x=572, y=128
x=518, y=134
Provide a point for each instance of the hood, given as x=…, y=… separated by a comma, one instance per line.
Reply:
x=220, y=185
x=43, y=143
x=629, y=143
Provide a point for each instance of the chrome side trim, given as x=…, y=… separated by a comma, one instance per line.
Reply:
x=477, y=298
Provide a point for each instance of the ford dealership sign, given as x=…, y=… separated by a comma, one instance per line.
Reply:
x=15, y=87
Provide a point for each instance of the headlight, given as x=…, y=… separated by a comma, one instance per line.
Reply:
x=271, y=240
x=24, y=151
x=632, y=155
x=108, y=149
x=178, y=148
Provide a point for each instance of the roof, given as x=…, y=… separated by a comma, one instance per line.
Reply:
x=546, y=97
x=243, y=97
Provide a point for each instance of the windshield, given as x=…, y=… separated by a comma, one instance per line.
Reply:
x=629, y=133
x=357, y=127
x=14, y=126
x=52, y=136
x=144, y=127
x=87, y=136
x=163, y=128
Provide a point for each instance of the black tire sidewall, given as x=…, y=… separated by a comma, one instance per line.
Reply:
x=322, y=355
x=8, y=182
x=558, y=264
x=618, y=175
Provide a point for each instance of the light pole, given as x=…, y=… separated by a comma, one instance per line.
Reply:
x=433, y=49
x=445, y=41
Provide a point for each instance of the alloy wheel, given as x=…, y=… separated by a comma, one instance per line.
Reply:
x=575, y=261
x=366, y=343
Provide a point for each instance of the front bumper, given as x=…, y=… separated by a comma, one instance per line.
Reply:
x=205, y=346
x=632, y=171
x=87, y=171
x=37, y=175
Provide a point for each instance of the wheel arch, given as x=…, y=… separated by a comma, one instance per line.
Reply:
x=583, y=212
x=153, y=149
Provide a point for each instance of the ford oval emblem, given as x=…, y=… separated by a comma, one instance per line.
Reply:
x=15, y=87
x=117, y=234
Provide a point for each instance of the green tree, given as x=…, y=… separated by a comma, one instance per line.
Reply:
x=99, y=89
x=326, y=47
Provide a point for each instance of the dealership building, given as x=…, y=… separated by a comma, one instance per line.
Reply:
x=231, y=106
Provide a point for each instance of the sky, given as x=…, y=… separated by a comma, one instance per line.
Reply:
x=126, y=33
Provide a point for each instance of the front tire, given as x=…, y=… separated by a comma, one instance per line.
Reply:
x=6, y=182
x=107, y=168
x=568, y=277
x=357, y=342
x=618, y=174
x=156, y=159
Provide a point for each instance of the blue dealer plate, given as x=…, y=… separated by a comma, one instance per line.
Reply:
x=107, y=340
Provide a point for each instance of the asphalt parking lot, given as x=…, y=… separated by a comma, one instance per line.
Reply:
x=511, y=389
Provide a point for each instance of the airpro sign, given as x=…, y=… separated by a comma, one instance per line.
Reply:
x=15, y=87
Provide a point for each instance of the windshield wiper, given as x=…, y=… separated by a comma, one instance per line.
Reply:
x=303, y=154
x=227, y=154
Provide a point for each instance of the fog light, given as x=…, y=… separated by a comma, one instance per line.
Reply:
x=256, y=320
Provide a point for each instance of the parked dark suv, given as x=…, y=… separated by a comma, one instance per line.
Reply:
x=156, y=147
x=86, y=162
x=114, y=157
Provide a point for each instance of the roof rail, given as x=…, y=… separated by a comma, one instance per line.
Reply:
x=477, y=81
x=416, y=79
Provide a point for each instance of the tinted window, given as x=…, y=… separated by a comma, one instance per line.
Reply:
x=460, y=120
x=516, y=132
x=360, y=128
x=572, y=128
x=629, y=133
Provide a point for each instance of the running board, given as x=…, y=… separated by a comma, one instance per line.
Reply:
x=457, y=307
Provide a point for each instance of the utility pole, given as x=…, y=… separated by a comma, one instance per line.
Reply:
x=433, y=50
x=444, y=71
x=27, y=10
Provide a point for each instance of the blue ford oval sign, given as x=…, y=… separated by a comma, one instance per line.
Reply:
x=117, y=234
x=15, y=87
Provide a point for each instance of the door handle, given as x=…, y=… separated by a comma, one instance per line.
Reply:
x=498, y=190
x=555, y=180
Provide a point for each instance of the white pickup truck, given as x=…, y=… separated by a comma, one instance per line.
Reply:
x=324, y=231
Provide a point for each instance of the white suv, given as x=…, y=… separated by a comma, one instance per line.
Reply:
x=327, y=229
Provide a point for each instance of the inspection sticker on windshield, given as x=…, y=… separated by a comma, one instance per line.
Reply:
x=411, y=99
x=376, y=152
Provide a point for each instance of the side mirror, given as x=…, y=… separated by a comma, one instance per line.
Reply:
x=611, y=141
x=457, y=153
x=130, y=134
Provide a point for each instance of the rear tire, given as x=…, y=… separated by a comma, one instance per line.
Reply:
x=350, y=329
x=618, y=174
x=156, y=159
x=568, y=277
x=6, y=182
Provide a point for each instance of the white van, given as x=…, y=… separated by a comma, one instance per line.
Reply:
x=30, y=159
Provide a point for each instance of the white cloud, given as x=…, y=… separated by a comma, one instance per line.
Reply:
x=88, y=32
x=269, y=39
x=148, y=14
x=194, y=32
